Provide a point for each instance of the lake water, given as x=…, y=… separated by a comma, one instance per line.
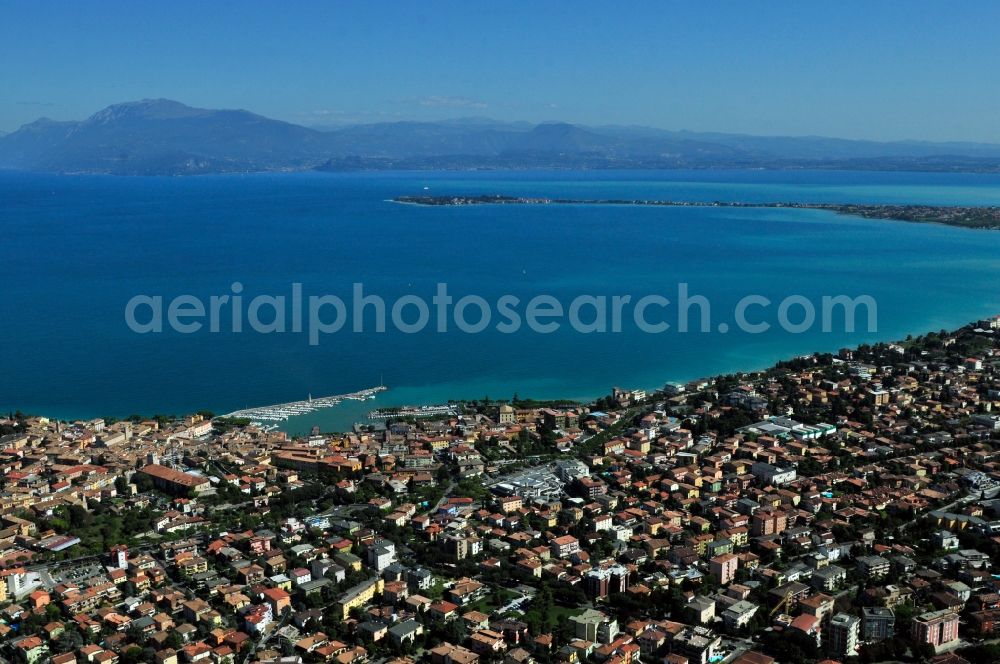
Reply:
x=75, y=249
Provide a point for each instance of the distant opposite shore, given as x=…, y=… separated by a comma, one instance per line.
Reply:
x=984, y=217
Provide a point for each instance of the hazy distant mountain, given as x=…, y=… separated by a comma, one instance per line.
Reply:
x=159, y=136
x=420, y=139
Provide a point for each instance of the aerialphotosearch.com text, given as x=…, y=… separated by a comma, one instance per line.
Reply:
x=320, y=315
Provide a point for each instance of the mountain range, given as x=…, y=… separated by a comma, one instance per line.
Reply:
x=164, y=137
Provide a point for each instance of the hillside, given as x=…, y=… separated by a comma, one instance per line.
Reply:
x=159, y=136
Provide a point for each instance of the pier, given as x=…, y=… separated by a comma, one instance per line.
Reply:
x=282, y=411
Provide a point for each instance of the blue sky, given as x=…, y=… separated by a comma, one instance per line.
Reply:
x=882, y=70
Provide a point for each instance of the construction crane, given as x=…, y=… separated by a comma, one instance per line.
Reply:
x=780, y=605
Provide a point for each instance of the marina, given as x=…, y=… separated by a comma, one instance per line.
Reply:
x=413, y=411
x=281, y=412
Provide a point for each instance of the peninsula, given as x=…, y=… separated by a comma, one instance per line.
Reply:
x=986, y=217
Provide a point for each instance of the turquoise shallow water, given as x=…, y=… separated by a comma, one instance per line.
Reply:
x=74, y=249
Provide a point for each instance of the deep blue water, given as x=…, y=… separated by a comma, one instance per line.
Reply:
x=75, y=249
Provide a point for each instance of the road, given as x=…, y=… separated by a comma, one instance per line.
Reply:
x=444, y=497
x=79, y=559
x=267, y=637
x=515, y=604
x=945, y=508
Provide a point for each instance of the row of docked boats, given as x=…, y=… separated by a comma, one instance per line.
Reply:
x=283, y=411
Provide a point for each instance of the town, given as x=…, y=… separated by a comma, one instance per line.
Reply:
x=836, y=507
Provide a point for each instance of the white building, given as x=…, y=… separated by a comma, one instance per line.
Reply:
x=739, y=614
x=381, y=555
x=769, y=474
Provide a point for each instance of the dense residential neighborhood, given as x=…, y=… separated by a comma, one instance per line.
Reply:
x=837, y=508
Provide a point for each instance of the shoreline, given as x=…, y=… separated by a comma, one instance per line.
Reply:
x=979, y=217
x=659, y=388
x=739, y=371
